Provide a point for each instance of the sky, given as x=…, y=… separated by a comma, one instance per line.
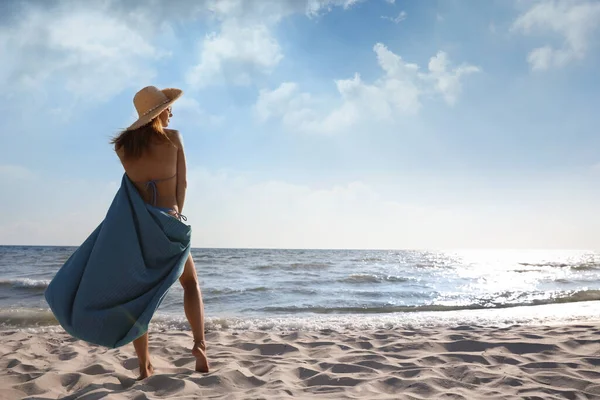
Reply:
x=367, y=124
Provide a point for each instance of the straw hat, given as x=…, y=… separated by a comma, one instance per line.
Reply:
x=150, y=102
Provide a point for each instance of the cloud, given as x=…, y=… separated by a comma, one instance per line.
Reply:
x=89, y=52
x=49, y=218
x=188, y=110
x=573, y=22
x=245, y=48
x=235, y=55
x=401, y=17
x=15, y=172
x=447, y=82
x=296, y=109
x=237, y=209
x=344, y=215
x=280, y=101
x=398, y=92
x=272, y=11
x=316, y=7
x=97, y=49
x=250, y=212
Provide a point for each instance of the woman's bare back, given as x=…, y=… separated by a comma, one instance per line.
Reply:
x=164, y=163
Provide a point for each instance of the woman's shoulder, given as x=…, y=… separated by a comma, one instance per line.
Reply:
x=171, y=131
x=175, y=136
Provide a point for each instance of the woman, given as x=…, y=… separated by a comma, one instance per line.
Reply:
x=154, y=160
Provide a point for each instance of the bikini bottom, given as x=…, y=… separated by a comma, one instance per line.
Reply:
x=172, y=212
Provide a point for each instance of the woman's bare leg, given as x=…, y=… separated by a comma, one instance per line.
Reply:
x=194, y=311
x=141, y=348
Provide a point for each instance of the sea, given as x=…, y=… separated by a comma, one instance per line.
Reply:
x=274, y=289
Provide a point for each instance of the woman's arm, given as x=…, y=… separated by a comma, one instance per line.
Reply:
x=181, y=173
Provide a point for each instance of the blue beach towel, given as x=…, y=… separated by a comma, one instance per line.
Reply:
x=108, y=290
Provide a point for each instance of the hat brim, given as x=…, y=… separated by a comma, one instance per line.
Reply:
x=172, y=94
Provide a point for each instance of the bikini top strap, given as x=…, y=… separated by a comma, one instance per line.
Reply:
x=151, y=185
x=164, y=179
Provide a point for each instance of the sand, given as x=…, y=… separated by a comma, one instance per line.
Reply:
x=461, y=362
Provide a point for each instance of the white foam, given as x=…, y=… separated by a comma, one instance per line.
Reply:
x=26, y=283
x=531, y=315
x=42, y=320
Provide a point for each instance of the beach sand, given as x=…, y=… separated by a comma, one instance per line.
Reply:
x=460, y=362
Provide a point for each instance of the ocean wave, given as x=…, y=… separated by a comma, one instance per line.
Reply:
x=294, y=266
x=564, y=281
x=572, y=297
x=26, y=317
x=226, y=291
x=588, y=266
x=544, y=314
x=311, y=265
x=371, y=278
x=367, y=259
x=432, y=266
x=200, y=254
x=364, y=310
x=265, y=267
x=39, y=320
x=25, y=283
x=581, y=281
x=546, y=264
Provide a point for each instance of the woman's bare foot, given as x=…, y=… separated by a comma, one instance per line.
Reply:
x=199, y=351
x=146, y=371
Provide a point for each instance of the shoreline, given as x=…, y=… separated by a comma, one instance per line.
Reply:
x=544, y=361
x=575, y=312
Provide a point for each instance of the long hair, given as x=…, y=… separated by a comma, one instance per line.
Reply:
x=136, y=141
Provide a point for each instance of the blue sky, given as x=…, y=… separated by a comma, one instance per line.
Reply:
x=313, y=123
